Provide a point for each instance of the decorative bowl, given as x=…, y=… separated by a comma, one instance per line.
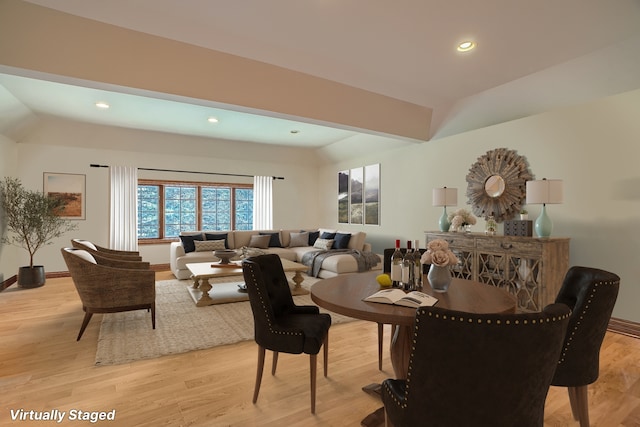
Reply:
x=225, y=255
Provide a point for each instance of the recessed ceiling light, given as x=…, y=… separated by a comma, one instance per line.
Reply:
x=466, y=46
x=102, y=104
x=294, y=131
x=212, y=120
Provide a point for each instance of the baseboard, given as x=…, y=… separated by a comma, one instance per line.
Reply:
x=624, y=327
x=56, y=274
x=10, y=281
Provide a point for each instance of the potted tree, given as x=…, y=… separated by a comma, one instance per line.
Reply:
x=32, y=221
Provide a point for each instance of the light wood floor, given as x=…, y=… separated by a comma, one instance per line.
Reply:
x=42, y=367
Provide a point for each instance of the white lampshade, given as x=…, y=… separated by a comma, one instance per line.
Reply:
x=445, y=196
x=544, y=191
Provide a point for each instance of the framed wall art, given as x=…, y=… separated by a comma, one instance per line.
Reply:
x=359, y=195
x=70, y=187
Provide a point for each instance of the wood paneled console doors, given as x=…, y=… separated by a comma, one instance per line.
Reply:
x=530, y=268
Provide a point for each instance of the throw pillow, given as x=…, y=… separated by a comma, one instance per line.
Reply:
x=341, y=241
x=274, y=241
x=218, y=236
x=258, y=241
x=313, y=236
x=327, y=235
x=299, y=239
x=84, y=255
x=324, y=244
x=209, y=245
x=187, y=242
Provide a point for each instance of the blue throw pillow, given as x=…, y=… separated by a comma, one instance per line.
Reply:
x=341, y=241
x=326, y=235
x=187, y=242
x=218, y=236
x=274, y=241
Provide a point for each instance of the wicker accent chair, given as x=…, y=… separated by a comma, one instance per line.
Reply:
x=477, y=369
x=591, y=294
x=279, y=324
x=108, y=289
x=94, y=249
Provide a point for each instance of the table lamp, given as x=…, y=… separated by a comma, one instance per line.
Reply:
x=544, y=191
x=445, y=197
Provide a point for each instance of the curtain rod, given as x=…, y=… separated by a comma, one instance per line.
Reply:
x=93, y=165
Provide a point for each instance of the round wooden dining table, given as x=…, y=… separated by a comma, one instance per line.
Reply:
x=345, y=294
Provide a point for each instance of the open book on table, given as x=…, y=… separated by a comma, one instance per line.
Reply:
x=400, y=297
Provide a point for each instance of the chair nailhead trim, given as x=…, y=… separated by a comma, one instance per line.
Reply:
x=569, y=339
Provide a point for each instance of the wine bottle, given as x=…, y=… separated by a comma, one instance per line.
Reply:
x=408, y=269
x=417, y=276
x=396, y=266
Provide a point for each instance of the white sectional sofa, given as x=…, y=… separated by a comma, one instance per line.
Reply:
x=353, y=254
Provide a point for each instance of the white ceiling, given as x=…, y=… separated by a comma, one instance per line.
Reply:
x=404, y=49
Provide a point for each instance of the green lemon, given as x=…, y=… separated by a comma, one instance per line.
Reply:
x=384, y=280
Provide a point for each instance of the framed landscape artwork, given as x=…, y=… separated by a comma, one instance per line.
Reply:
x=70, y=187
x=359, y=195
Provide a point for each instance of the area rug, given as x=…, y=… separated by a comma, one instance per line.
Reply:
x=180, y=325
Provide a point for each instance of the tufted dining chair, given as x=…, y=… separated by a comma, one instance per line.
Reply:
x=477, y=369
x=104, y=287
x=94, y=249
x=279, y=324
x=591, y=294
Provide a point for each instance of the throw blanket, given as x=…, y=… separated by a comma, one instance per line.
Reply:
x=314, y=259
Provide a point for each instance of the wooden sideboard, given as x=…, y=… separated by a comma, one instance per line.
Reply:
x=530, y=268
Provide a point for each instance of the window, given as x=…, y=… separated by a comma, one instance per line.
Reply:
x=167, y=208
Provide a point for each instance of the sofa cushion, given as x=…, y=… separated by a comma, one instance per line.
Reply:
x=219, y=236
x=187, y=242
x=341, y=240
x=299, y=239
x=357, y=239
x=274, y=240
x=209, y=245
x=259, y=241
x=324, y=244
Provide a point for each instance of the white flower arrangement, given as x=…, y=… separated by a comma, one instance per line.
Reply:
x=438, y=253
x=461, y=217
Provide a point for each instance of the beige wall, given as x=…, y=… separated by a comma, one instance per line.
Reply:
x=593, y=147
x=8, y=167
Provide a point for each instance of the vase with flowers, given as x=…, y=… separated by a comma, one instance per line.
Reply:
x=462, y=220
x=440, y=257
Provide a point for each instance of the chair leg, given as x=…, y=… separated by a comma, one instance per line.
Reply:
x=578, y=397
x=326, y=354
x=275, y=363
x=153, y=315
x=256, y=389
x=85, y=322
x=380, y=338
x=312, y=365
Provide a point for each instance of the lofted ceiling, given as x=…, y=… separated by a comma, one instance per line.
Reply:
x=405, y=49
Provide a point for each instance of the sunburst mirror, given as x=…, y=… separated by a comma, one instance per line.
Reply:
x=497, y=183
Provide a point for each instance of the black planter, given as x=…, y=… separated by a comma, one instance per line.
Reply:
x=31, y=277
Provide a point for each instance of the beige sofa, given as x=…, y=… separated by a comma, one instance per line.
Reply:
x=291, y=249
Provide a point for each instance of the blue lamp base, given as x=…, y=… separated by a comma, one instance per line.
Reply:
x=543, y=224
x=444, y=221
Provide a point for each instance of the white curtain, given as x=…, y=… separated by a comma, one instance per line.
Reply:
x=262, y=203
x=123, y=230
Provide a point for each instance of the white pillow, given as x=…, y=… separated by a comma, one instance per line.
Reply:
x=84, y=255
x=87, y=244
x=299, y=239
x=324, y=244
x=209, y=245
